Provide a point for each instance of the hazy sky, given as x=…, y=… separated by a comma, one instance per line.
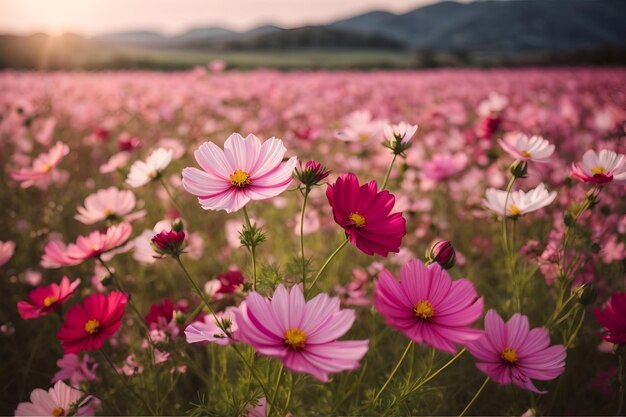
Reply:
x=171, y=16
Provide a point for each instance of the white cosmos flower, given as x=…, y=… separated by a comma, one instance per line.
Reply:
x=600, y=168
x=402, y=131
x=534, y=148
x=142, y=172
x=519, y=202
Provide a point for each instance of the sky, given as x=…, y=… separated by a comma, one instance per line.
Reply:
x=92, y=17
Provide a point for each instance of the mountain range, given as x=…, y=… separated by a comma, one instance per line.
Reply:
x=491, y=25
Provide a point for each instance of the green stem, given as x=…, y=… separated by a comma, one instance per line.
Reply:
x=620, y=377
x=252, y=249
x=475, y=397
x=438, y=371
x=306, y=198
x=125, y=382
x=395, y=369
x=269, y=399
x=275, y=391
x=330, y=258
x=505, y=238
x=169, y=193
x=388, y=173
x=201, y=294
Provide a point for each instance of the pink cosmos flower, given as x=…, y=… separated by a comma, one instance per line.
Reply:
x=143, y=172
x=443, y=165
x=56, y=254
x=613, y=318
x=6, y=251
x=89, y=324
x=44, y=300
x=427, y=306
x=209, y=330
x=245, y=170
x=535, y=148
x=511, y=353
x=365, y=215
x=57, y=401
x=110, y=203
x=360, y=127
x=302, y=334
x=116, y=162
x=43, y=168
x=601, y=168
x=72, y=368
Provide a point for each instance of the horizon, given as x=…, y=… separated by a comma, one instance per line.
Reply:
x=103, y=17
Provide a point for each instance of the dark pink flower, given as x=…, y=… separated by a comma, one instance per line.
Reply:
x=427, y=306
x=613, y=318
x=89, y=324
x=365, y=215
x=168, y=243
x=44, y=300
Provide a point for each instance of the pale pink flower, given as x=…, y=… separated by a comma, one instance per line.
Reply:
x=494, y=104
x=115, y=163
x=600, y=168
x=245, y=170
x=43, y=167
x=444, y=165
x=95, y=244
x=6, y=251
x=519, y=202
x=72, y=368
x=258, y=410
x=535, y=148
x=109, y=203
x=402, y=132
x=57, y=401
x=360, y=127
x=209, y=330
x=613, y=250
x=142, y=172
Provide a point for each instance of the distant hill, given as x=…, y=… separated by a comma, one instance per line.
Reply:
x=501, y=25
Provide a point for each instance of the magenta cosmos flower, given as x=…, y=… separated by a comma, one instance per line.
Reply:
x=245, y=170
x=43, y=168
x=57, y=401
x=302, y=334
x=601, y=168
x=44, y=300
x=365, y=215
x=511, y=353
x=613, y=318
x=56, y=254
x=427, y=306
x=89, y=324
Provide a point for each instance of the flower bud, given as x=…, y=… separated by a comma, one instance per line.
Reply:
x=177, y=225
x=312, y=173
x=586, y=293
x=519, y=169
x=168, y=243
x=443, y=253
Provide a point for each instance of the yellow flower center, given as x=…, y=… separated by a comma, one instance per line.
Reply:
x=107, y=212
x=240, y=179
x=509, y=355
x=295, y=338
x=48, y=301
x=58, y=412
x=598, y=170
x=357, y=220
x=525, y=154
x=424, y=310
x=92, y=326
x=514, y=210
x=46, y=168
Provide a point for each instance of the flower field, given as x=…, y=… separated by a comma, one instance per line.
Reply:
x=223, y=243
